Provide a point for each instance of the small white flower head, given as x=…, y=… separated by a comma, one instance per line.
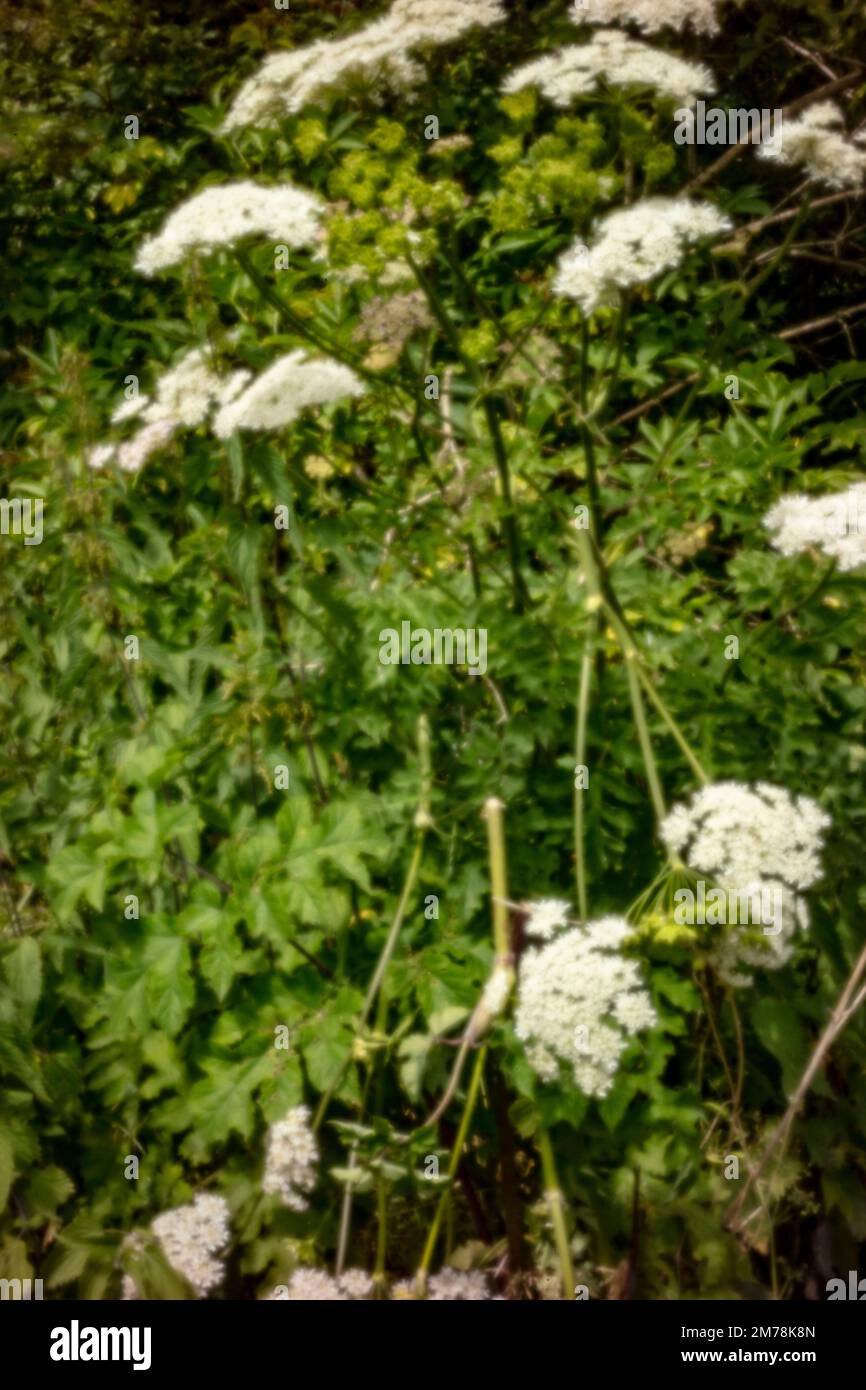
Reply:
x=129, y=1292
x=579, y=1001
x=315, y=1286
x=355, y=1283
x=451, y=1285
x=817, y=140
x=834, y=524
x=228, y=213
x=190, y=1236
x=768, y=943
x=546, y=917
x=291, y=1159
x=133, y=455
x=99, y=456
x=632, y=246
x=287, y=387
x=618, y=60
x=128, y=409
x=379, y=53
x=649, y=15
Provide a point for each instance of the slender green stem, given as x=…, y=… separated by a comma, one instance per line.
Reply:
x=394, y=932
x=509, y=517
x=555, y=1201
x=644, y=739
x=602, y=596
x=453, y=1165
x=381, y=1236
x=672, y=724
x=580, y=762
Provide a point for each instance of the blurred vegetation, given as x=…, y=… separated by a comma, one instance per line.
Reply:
x=155, y=1036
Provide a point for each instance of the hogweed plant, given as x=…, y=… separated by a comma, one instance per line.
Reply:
x=420, y=369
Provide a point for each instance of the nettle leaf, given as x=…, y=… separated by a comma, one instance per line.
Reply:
x=23, y=967
x=326, y=1045
x=46, y=1191
x=339, y=839
x=170, y=988
x=217, y=1105
x=284, y=1088
x=75, y=872
x=7, y=1169
x=223, y=958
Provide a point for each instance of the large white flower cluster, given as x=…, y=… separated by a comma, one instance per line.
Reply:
x=186, y=394
x=752, y=840
x=382, y=50
x=740, y=833
x=615, y=58
x=633, y=246
x=291, y=1159
x=578, y=1000
x=190, y=1236
x=835, y=524
x=818, y=142
x=287, y=387
x=649, y=15
x=183, y=396
x=226, y=214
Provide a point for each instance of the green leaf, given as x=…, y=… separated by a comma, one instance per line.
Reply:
x=7, y=1169
x=24, y=972
x=780, y=1030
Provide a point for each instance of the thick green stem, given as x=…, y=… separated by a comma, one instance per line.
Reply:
x=556, y=1204
x=498, y=877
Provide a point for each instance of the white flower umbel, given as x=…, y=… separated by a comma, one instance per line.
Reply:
x=190, y=1236
x=289, y=385
x=834, y=524
x=291, y=1159
x=612, y=57
x=224, y=215
x=633, y=246
x=817, y=141
x=381, y=52
x=649, y=15
x=317, y=1286
x=453, y=1285
x=183, y=397
x=578, y=1002
x=186, y=392
x=752, y=841
x=739, y=834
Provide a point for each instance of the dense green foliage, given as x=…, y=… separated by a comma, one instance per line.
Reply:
x=263, y=908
